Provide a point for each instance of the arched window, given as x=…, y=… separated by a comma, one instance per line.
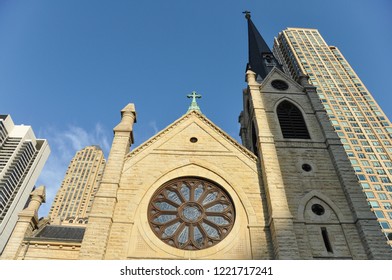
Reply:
x=291, y=121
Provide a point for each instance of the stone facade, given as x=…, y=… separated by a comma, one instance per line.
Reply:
x=292, y=198
x=346, y=226
x=272, y=194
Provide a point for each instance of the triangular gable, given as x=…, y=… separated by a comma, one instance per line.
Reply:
x=192, y=124
x=277, y=74
x=195, y=132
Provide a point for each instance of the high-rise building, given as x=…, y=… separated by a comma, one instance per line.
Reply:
x=22, y=158
x=362, y=126
x=73, y=201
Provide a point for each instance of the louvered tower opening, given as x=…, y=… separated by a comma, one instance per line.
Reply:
x=291, y=121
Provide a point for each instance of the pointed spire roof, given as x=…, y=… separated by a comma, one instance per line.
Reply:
x=261, y=59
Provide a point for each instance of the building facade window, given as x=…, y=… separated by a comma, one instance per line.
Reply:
x=374, y=204
x=385, y=225
x=291, y=121
x=387, y=205
x=379, y=214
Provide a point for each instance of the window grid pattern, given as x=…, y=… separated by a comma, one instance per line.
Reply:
x=22, y=157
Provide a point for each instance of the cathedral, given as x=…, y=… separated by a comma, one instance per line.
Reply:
x=193, y=192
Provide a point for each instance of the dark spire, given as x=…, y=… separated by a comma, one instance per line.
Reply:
x=261, y=59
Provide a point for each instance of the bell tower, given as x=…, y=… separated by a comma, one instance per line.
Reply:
x=315, y=207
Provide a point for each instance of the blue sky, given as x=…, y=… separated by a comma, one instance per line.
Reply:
x=67, y=68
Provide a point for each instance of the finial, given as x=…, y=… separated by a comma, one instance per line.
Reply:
x=194, y=106
x=247, y=14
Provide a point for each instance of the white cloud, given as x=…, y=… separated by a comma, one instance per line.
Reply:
x=142, y=135
x=64, y=144
x=153, y=125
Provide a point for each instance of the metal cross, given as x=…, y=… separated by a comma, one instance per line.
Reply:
x=247, y=14
x=194, y=106
x=193, y=95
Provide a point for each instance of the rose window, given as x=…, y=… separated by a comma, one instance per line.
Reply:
x=191, y=213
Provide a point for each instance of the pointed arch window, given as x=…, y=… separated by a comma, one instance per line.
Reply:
x=291, y=121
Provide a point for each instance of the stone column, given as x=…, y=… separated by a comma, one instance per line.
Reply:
x=97, y=232
x=27, y=222
x=280, y=218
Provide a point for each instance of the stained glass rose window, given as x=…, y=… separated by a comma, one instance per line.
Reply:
x=191, y=213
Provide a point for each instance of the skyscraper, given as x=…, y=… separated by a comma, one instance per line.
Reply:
x=73, y=201
x=22, y=158
x=362, y=126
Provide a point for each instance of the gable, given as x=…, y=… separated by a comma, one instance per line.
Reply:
x=194, y=137
x=192, y=133
x=170, y=156
x=276, y=74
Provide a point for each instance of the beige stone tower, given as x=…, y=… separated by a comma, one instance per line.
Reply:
x=315, y=207
x=73, y=201
x=106, y=200
x=361, y=124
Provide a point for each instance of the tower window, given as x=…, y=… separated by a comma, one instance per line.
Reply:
x=327, y=243
x=279, y=84
x=254, y=141
x=291, y=121
x=306, y=167
x=318, y=209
